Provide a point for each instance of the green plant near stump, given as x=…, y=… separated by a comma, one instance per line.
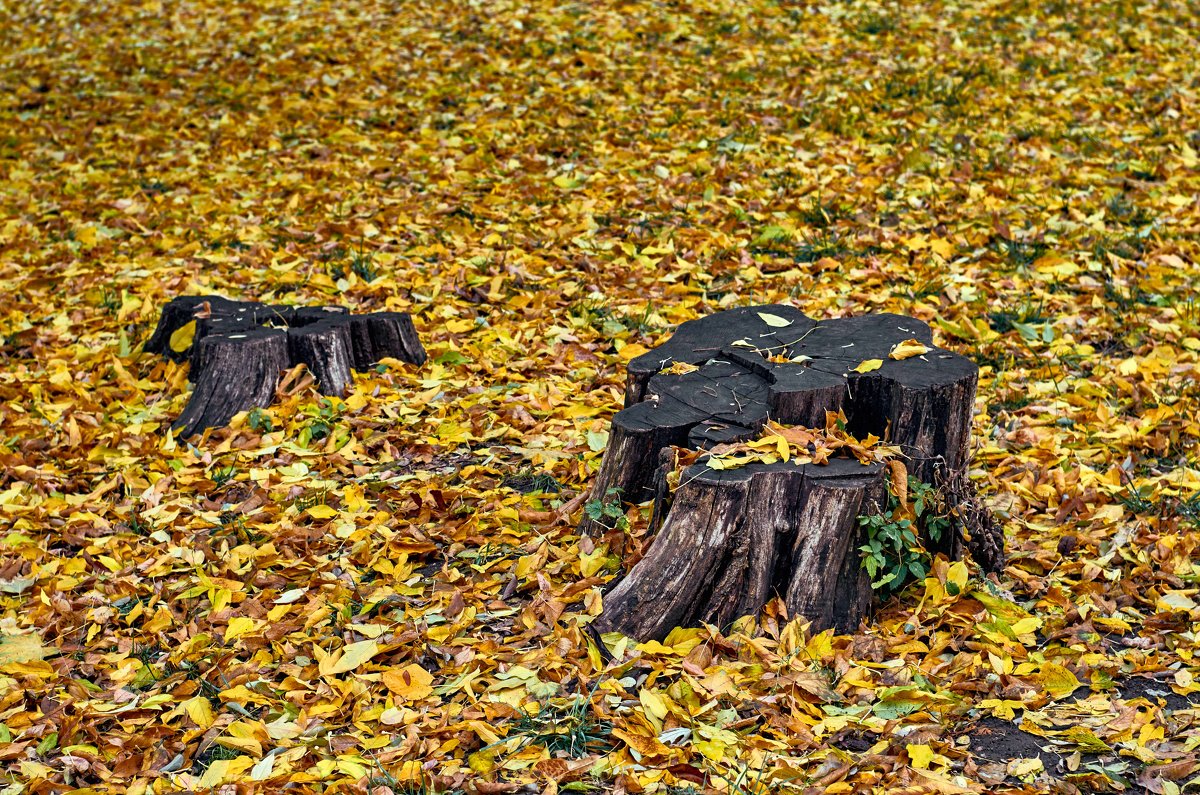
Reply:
x=894, y=553
x=608, y=510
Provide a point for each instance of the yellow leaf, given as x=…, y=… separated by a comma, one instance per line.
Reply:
x=567, y=183
x=908, y=349
x=653, y=704
x=200, y=710
x=957, y=574
x=321, y=512
x=942, y=247
x=633, y=351
x=711, y=749
x=869, y=365
x=774, y=321
x=21, y=648
x=351, y=657
x=648, y=746
x=483, y=761
x=590, y=563
x=238, y=626
x=86, y=235
x=1058, y=681
x=1175, y=600
x=920, y=755
x=181, y=340
x=392, y=717
x=1128, y=366
x=411, y=683
x=263, y=768
x=680, y=368
x=1021, y=768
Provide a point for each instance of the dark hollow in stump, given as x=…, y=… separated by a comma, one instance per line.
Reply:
x=238, y=349
x=733, y=539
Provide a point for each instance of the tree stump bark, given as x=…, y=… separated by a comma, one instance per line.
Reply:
x=731, y=540
x=238, y=371
x=238, y=349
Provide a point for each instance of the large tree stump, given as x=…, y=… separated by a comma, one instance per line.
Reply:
x=731, y=540
x=238, y=349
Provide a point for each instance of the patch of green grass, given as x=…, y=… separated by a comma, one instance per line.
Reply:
x=211, y=754
x=1026, y=313
x=1020, y=254
x=875, y=23
x=528, y=482
x=821, y=214
x=572, y=729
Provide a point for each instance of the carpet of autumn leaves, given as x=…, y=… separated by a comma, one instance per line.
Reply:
x=378, y=594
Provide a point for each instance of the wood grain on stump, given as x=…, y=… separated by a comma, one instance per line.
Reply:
x=239, y=348
x=731, y=540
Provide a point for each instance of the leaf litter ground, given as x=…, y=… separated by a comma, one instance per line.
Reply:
x=381, y=593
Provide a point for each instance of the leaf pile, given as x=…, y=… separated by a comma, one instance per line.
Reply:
x=385, y=593
x=799, y=445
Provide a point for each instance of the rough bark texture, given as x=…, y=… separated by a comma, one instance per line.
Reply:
x=324, y=348
x=729, y=541
x=239, y=371
x=239, y=348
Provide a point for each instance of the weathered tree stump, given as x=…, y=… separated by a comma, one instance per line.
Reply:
x=238, y=349
x=731, y=540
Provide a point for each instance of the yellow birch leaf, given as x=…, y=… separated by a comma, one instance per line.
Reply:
x=263, y=768
x=774, y=321
x=653, y=704
x=633, y=351
x=321, y=512
x=646, y=746
x=483, y=761
x=942, y=247
x=181, y=340
x=908, y=349
x=869, y=365
x=1021, y=768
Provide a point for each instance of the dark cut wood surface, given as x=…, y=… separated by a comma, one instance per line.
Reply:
x=738, y=388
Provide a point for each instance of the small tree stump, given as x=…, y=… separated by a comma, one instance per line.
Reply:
x=731, y=540
x=238, y=371
x=239, y=348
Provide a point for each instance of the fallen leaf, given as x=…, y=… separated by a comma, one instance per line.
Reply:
x=868, y=365
x=411, y=683
x=908, y=349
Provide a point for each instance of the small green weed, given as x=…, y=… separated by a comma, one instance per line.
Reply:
x=894, y=553
x=608, y=510
x=569, y=728
x=260, y=420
